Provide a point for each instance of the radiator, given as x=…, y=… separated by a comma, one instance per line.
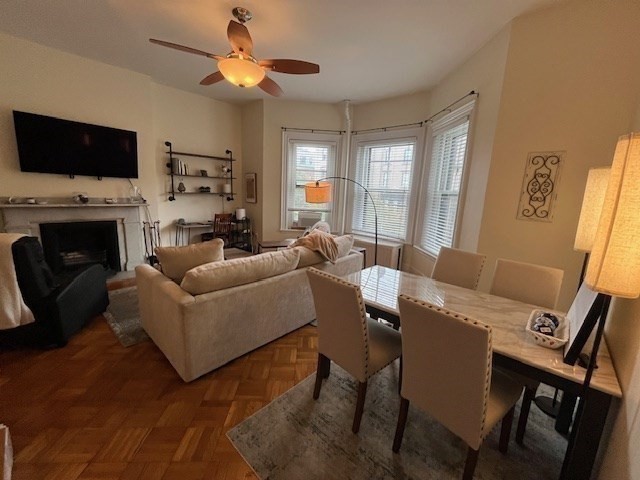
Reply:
x=389, y=254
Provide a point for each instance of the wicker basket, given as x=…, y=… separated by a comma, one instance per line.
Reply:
x=561, y=333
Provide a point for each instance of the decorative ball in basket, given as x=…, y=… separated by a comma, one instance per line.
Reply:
x=548, y=329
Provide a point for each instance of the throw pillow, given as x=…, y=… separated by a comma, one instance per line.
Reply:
x=240, y=271
x=175, y=261
x=320, y=242
x=345, y=244
x=310, y=257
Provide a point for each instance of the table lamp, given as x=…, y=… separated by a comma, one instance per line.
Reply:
x=592, y=201
x=614, y=264
x=320, y=192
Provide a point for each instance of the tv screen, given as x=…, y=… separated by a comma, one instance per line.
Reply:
x=52, y=145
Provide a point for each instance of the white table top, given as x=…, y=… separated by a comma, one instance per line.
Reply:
x=381, y=286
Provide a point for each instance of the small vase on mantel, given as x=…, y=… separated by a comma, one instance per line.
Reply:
x=181, y=187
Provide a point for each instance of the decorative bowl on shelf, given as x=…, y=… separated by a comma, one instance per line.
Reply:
x=560, y=335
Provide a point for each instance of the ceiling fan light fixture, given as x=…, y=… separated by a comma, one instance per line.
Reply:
x=241, y=70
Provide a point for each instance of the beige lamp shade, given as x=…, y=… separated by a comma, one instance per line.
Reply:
x=591, y=207
x=614, y=266
x=317, y=192
x=241, y=71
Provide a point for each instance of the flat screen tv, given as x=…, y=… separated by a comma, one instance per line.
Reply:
x=52, y=145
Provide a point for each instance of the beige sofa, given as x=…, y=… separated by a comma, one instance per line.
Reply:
x=199, y=333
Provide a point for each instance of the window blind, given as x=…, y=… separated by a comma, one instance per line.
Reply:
x=449, y=146
x=385, y=169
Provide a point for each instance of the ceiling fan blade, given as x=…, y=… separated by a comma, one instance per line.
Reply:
x=297, y=67
x=271, y=87
x=239, y=38
x=182, y=48
x=215, y=77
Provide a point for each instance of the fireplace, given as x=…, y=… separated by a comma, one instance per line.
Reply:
x=71, y=245
x=27, y=219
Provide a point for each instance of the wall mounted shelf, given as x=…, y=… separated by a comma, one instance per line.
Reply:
x=171, y=165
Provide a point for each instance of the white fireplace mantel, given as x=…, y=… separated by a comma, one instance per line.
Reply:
x=26, y=218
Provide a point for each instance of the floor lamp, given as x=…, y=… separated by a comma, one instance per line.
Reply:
x=614, y=263
x=320, y=192
x=592, y=202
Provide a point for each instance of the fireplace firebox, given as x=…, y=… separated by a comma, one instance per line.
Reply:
x=71, y=245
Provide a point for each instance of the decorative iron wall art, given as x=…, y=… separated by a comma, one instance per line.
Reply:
x=540, y=186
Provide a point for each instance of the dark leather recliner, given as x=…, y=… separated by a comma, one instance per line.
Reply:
x=61, y=304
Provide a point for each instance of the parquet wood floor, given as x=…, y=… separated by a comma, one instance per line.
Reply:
x=97, y=410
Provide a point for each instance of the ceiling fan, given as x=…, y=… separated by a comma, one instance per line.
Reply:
x=240, y=67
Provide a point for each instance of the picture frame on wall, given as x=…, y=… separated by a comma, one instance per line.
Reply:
x=250, y=188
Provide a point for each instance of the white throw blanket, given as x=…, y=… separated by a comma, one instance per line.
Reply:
x=13, y=311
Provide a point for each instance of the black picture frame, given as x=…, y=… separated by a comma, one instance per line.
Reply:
x=582, y=318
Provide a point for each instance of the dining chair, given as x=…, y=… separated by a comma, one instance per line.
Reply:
x=222, y=226
x=529, y=283
x=458, y=267
x=447, y=373
x=348, y=337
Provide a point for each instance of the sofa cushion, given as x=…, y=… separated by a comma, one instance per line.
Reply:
x=175, y=261
x=231, y=273
x=345, y=244
x=309, y=257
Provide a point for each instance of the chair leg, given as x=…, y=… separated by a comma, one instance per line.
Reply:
x=527, y=398
x=470, y=464
x=323, y=366
x=400, y=377
x=402, y=420
x=505, y=430
x=327, y=369
x=362, y=393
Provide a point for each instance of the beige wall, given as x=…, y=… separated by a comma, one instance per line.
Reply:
x=194, y=124
x=570, y=84
x=253, y=150
x=42, y=80
x=483, y=72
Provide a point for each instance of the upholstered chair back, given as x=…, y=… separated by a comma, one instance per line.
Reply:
x=446, y=367
x=342, y=325
x=526, y=282
x=458, y=267
x=34, y=275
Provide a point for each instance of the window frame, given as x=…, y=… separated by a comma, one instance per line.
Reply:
x=289, y=139
x=415, y=134
x=449, y=121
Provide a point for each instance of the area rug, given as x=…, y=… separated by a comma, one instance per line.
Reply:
x=297, y=437
x=124, y=318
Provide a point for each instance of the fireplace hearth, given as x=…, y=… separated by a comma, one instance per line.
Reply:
x=71, y=245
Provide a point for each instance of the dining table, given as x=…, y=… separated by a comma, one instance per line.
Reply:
x=514, y=349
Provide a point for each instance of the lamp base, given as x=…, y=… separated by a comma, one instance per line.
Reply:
x=583, y=360
x=548, y=405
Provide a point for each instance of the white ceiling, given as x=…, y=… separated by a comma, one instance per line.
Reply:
x=366, y=49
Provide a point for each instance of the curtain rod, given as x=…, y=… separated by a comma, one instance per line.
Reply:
x=384, y=129
x=312, y=130
x=448, y=107
x=418, y=124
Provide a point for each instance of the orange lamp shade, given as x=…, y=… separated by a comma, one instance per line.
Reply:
x=317, y=192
